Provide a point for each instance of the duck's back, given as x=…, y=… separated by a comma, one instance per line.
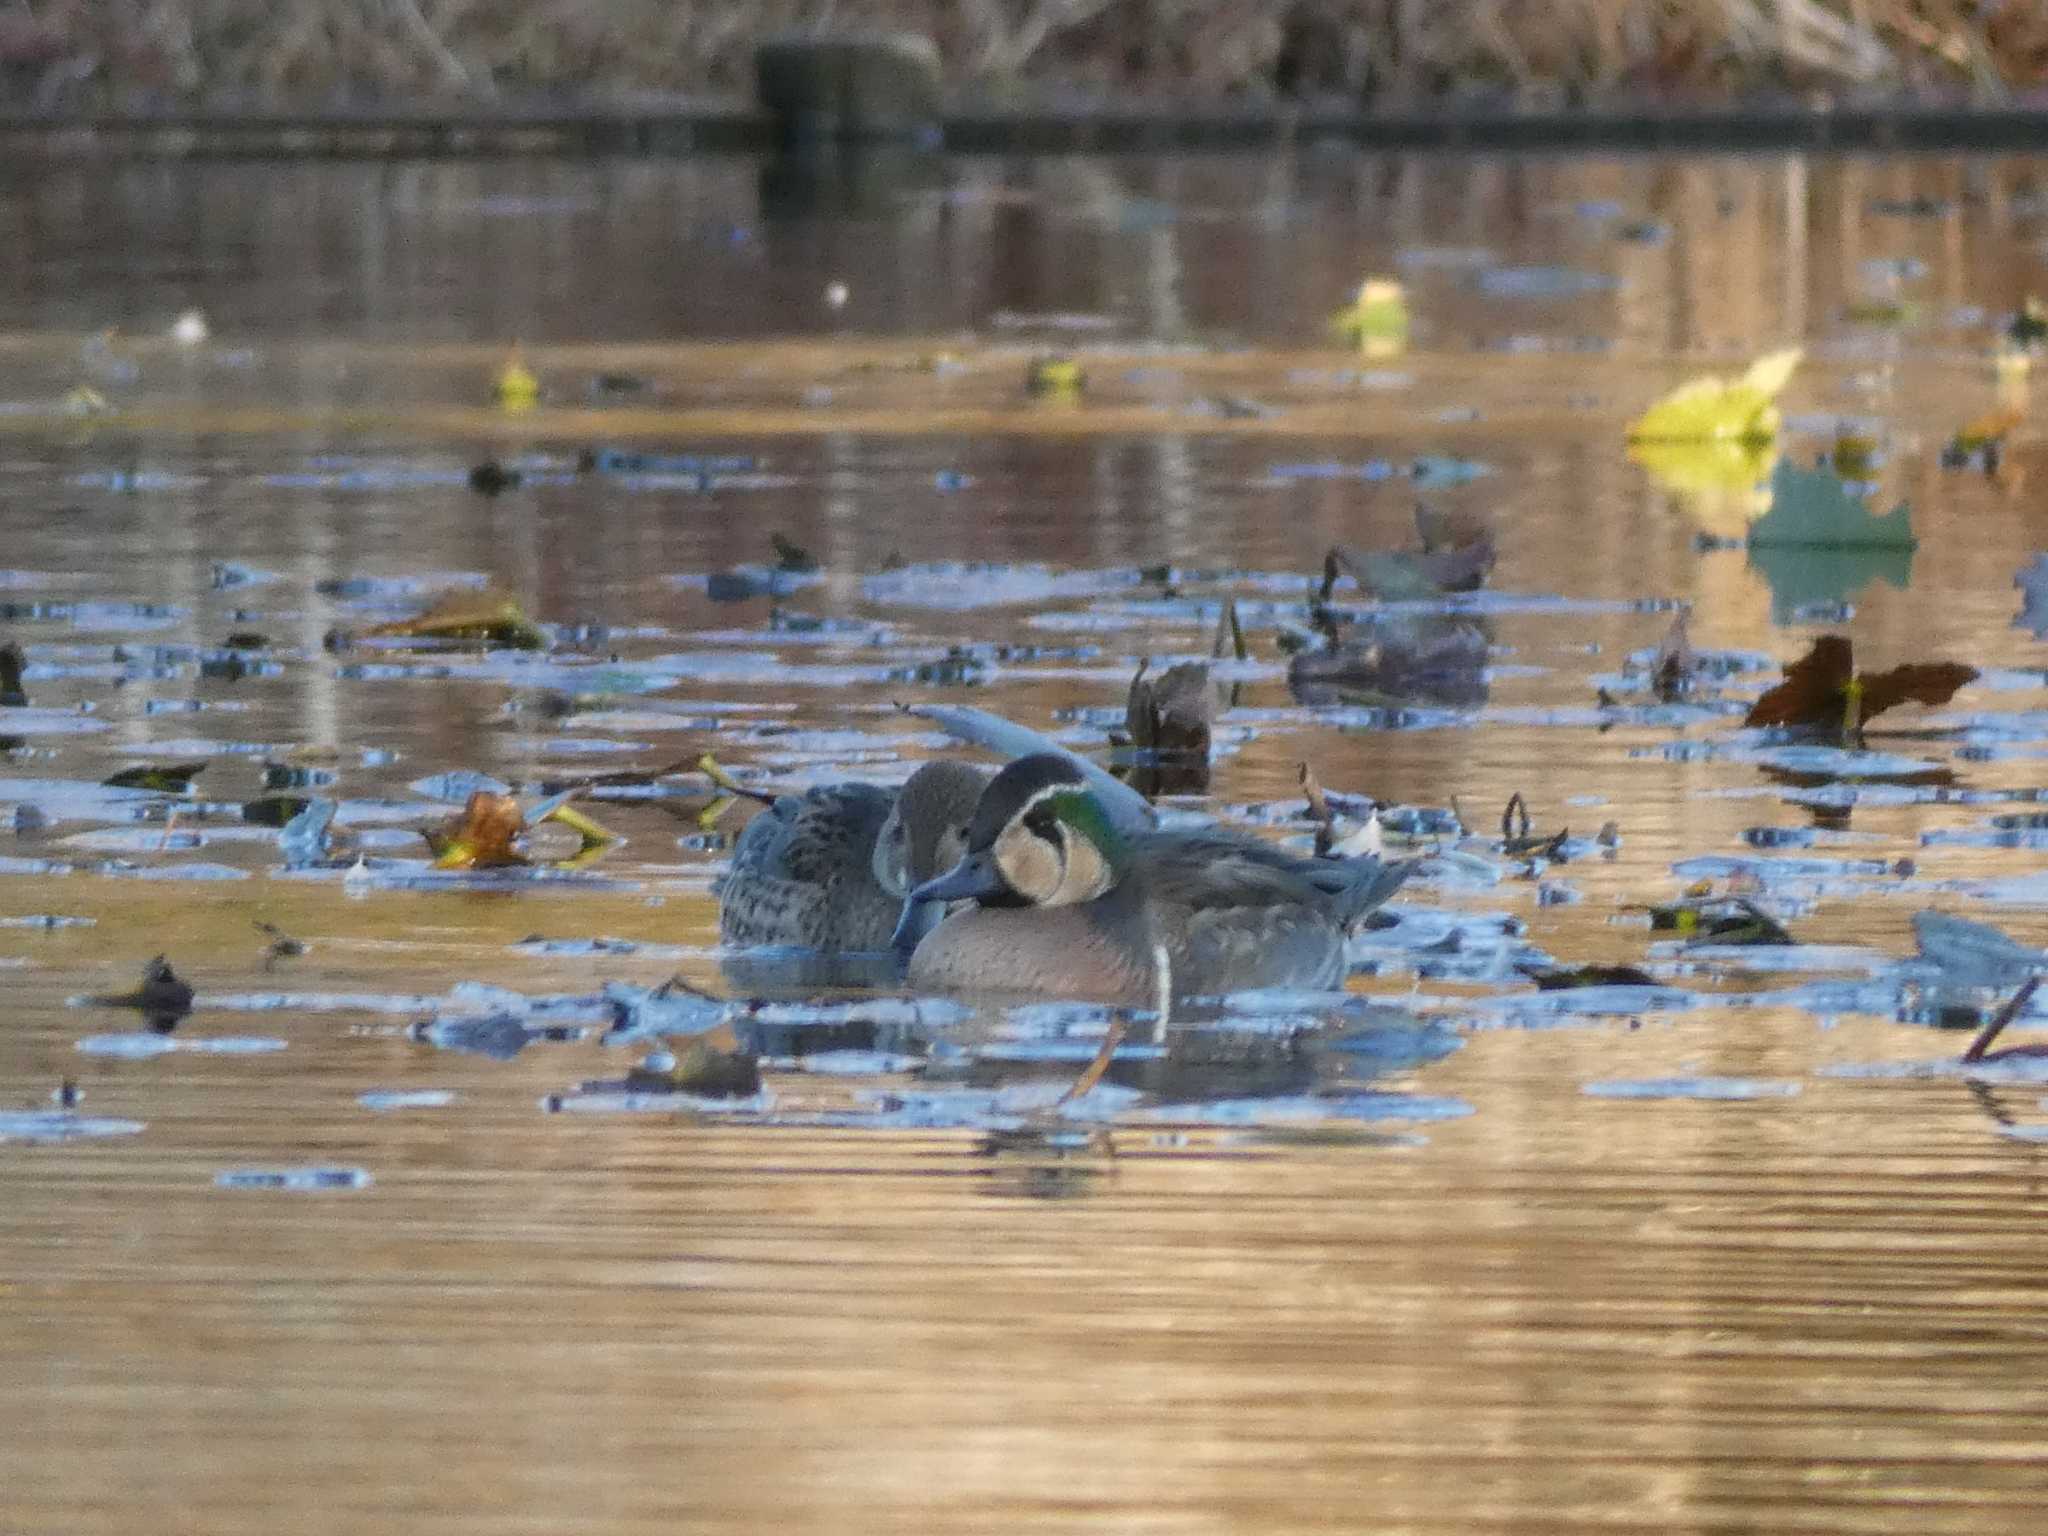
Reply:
x=803, y=873
x=1236, y=914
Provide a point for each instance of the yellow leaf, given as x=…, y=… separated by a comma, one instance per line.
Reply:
x=1713, y=408
x=518, y=389
x=1377, y=321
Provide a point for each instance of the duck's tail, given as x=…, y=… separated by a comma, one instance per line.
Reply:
x=1357, y=885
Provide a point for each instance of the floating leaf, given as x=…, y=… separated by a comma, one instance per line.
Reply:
x=1713, y=408
x=1673, y=668
x=1559, y=980
x=166, y=778
x=1376, y=322
x=517, y=388
x=1728, y=920
x=1815, y=506
x=480, y=835
x=469, y=614
x=1822, y=689
x=1055, y=378
x=1975, y=954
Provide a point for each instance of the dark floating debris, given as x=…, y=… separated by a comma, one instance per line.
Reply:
x=1822, y=691
x=282, y=946
x=1979, y=1048
x=1518, y=842
x=490, y=478
x=791, y=556
x=1561, y=979
x=166, y=778
x=1674, y=670
x=12, y=661
x=1719, y=920
x=163, y=997
x=1168, y=723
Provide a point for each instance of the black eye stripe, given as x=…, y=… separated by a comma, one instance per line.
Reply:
x=1040, y=821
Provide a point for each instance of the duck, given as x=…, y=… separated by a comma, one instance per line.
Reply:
x=1062, y=901
x=829, y=869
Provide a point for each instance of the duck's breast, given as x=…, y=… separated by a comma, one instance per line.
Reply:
x=1057, y=952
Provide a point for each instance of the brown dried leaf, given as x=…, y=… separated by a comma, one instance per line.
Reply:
x=1925, y=682
x=1813, y=689
x=1822, y=688
x=464, y=614
x=1671, y=672
x=480, y=835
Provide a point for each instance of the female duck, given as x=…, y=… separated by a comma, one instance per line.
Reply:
x=829, y=869
x=1067, y=905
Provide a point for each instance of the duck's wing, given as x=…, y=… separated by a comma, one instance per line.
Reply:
x=1357, y=885
x=1128, y=810
x=802, y=873
x=1236, y=915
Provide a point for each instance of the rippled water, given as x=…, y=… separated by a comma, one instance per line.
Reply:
x=1728, y=1253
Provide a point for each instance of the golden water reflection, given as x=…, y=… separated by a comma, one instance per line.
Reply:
x=1561, y=1313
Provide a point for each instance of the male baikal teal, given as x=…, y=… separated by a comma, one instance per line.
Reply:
x=1065, y=903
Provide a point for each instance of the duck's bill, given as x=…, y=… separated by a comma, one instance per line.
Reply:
x=973, y=878
x=917, y=919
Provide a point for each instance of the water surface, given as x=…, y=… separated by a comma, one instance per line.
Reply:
x=1711, y=1257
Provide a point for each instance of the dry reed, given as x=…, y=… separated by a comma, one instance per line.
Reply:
x=309, y=54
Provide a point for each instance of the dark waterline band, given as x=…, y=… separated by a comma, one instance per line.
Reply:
x=693, y=130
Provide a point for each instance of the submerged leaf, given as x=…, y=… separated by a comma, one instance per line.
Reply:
x=1710, y=408
x=1815, y=506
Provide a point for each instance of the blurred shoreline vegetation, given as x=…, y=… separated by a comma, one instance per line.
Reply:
x=70, y=56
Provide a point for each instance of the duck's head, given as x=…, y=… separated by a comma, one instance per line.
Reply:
x=1038, y=838
x=926, y=832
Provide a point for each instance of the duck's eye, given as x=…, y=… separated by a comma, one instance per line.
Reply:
x=1041, y=821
